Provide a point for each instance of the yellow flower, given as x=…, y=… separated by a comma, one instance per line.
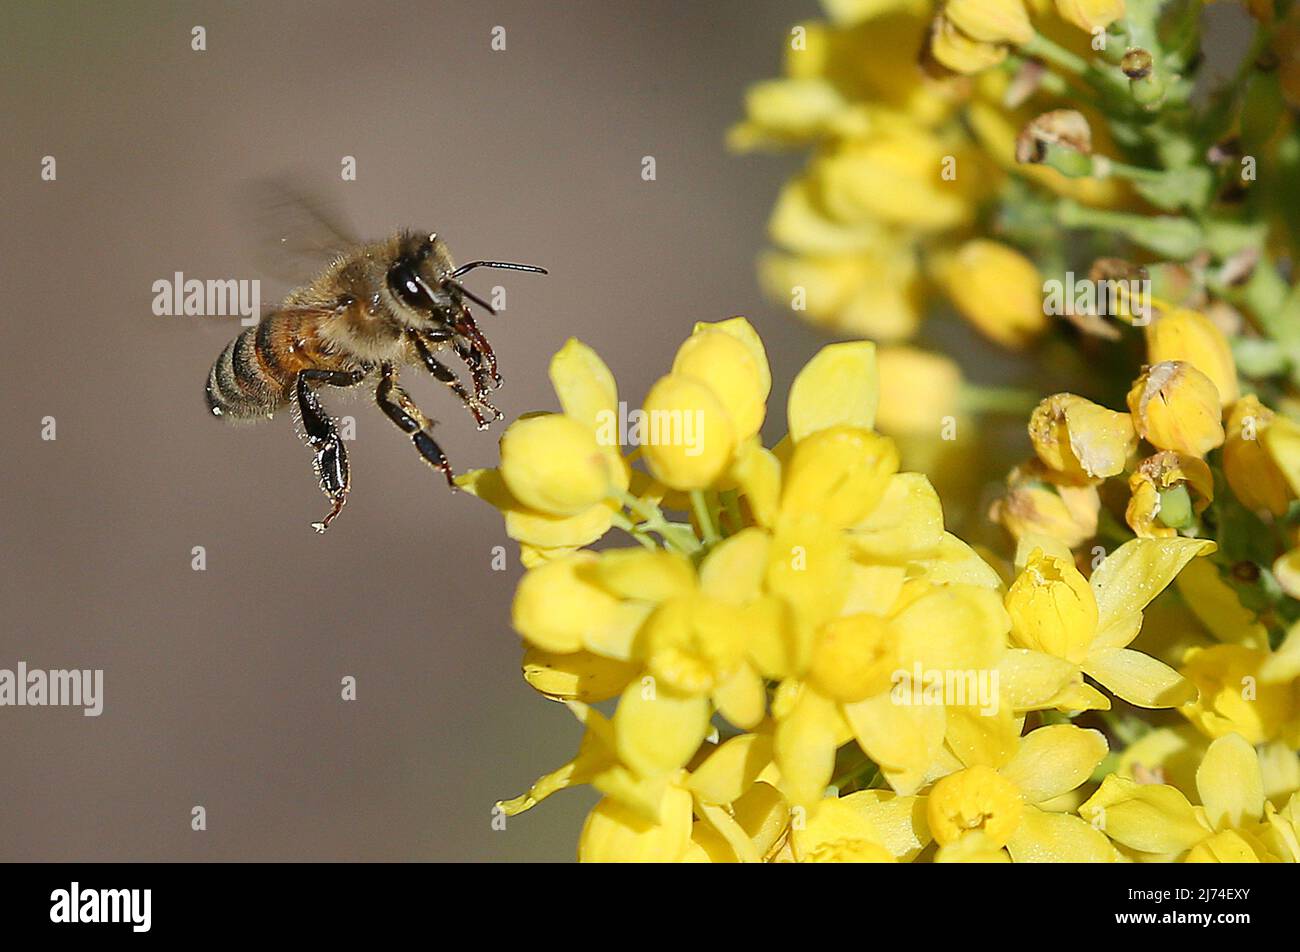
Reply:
x=1158, y=819
x=1080, y=439
x=713, y=401
x=553, y=464
x=961, y=54
x=1251, y=471
x=997, y=289
x=997, y=804
x=1090, y=15
x=1091, y=625
x=1176, y=407
x=1236, y=697
x=918, y=389
x=1169, y=490
x=558, y=476
x=1052, y=608
x=1041, y=502
x=1282, y=440
x=889, y=178
x=838, y=832
x=1193, y=338
x=991, y=21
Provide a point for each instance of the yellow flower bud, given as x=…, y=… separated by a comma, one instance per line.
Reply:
x=557, y=608
x=1192, y=337
x=997, y=289
x=887, y=178
x=1034, y=504
x=991, y=21
x=1176, y=407
x=854, y=657
x=1152, y=511
x=1251, y=471
x=957, y=51
x=1078, y=438
x=1286, y=568
x=694, y=437
x=727, y=367
x=616, y=833
x=917, y=390
x=1090, y=15
x=1282, y=440
x=974, y=801
x=1053, y=608
x=553, y=464
x=838, y=475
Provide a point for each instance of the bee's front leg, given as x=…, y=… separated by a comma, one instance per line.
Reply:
x=475, y=404
x=331, y=459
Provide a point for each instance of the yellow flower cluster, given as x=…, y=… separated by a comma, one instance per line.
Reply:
x=1200, y=460
x=804, y=665
x=907, y=157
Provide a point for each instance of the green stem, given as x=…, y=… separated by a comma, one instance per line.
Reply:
x=621, y=521
x=1133, y=173
x=1004, y=401
x=1169, y=235
x=674, y=536
x=704, y=517
x=1047, y=51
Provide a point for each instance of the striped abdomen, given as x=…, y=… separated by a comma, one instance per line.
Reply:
x=255, y=374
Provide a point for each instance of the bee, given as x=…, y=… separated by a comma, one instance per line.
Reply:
x=376, y=308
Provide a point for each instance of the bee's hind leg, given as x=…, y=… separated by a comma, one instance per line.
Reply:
x=401, y=409
x=331, y=460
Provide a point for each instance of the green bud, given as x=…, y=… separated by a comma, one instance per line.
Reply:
x=1176, y=507
x=1069, y=162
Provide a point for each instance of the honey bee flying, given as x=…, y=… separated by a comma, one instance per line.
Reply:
x=376, y=308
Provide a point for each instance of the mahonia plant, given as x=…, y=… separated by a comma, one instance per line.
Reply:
x=800, y=663
x=979, y=154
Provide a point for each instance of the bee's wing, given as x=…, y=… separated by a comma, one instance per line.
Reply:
x=296, y=229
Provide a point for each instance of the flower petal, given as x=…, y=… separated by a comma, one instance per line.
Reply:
x=1054, y=760
x=1150, y=818
x=1230, y=783
x=1135, y=573
x=615, y=833
x=1138, y=678
x=731, y=769
x=656, y=730
x=1045, y=837
x=838, y=386
x=578, y=676
x=585, y=386
x=903, y=739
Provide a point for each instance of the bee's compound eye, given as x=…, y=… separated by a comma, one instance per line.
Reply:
x=403, y=282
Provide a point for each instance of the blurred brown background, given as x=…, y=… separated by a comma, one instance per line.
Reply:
x=222, y=687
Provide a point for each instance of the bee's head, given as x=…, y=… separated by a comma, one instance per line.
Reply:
x=420, y=281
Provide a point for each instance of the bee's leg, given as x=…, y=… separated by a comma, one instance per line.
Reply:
x=401, y=409
x=475, y=405
x=477, y=345
x=331, y=460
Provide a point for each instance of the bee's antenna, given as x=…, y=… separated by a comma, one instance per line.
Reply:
x=470, y=294
x=502, y=265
